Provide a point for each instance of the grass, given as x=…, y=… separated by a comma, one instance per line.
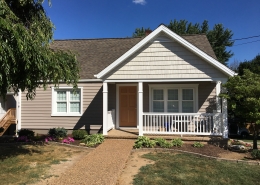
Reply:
x=26, y=164
x=170, y=168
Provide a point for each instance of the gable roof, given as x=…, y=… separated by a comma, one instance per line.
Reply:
x=179, y=39
x=95, y=55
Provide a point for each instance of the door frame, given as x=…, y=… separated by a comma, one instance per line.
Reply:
x=117, y=104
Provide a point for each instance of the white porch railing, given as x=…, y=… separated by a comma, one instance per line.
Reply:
x=110, y=119
x=182, y=123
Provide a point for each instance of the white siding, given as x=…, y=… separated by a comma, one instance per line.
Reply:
x=164, y=58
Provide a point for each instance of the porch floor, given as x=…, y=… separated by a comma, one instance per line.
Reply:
x=125, y=133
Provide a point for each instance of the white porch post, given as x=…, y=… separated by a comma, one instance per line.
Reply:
x=218, y=100
x=18, y=111
x=140, y=108
x=105, y=108
x=224, y=118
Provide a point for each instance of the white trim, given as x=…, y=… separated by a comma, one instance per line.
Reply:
x=19, y=124
x=105, y=107
x=53, y=103
x=170, y=80
x=140, y=108
x=174, y=36
x=90, y=80
x=178, y=86
x=117, y=102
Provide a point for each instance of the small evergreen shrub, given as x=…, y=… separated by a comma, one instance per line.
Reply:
x=58, y=132
x=79, y=134
x=177, y=142
x=92, y=140
x=255, y=154
x=163, y=143
x=143, y=141
x=26, y=132
x=198, y=145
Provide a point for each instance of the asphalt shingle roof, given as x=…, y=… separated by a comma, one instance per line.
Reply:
x=96, y=54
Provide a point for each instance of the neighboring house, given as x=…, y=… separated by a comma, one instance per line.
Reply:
x=161, y=84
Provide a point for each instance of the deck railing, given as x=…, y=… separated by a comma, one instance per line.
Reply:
x=182, y=123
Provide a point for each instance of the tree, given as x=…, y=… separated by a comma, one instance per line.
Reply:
x=26, y=58
x=219, y=37
x=140, y=32
x=252, y=65
x=243, y=95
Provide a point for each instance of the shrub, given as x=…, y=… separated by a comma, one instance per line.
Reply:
x=79, y=134
x=198, y=145
x=163, y=143
x=92, y=140
x=26, y=132
x=23, y=139
x=58, y=132
x=177, y=142
x=255, y=154
x=143, y=141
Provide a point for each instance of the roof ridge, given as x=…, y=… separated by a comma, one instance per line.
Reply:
x=97, y=39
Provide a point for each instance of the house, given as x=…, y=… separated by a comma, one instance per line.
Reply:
x=161, y=84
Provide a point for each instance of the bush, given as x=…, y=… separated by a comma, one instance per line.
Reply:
x=143, y=141
x=177, y=142
x=163, y=143
x=26, y=132
x=58, y=132
x=255, y=154
x=1, y=129
x=79, y=134
x=198, y=145
x=92, y=140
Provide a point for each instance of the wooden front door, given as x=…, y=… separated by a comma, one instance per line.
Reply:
x=127, y=106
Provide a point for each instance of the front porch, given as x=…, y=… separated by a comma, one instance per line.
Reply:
x=197, y=123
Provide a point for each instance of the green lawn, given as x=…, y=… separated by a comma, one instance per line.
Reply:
x=187, y=169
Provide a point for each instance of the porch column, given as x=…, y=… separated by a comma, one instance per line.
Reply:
x=105, y=108
x=140, y=108
x=224, y=118
x=218, y=100
x=18, y=111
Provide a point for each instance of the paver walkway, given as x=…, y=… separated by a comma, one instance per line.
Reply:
x=101, y=166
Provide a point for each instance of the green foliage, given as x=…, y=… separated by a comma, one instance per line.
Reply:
x=92, y=140
x=27, y=60
x=26, y=132
x=255, y=154
x=219, y=37
x=243, y=95
x=79, y=134
x=198, y=145
x=140, y=32
x=58, y=132
x=163, y=143
x=252, y=65
x=177, y=142
x=143, y=141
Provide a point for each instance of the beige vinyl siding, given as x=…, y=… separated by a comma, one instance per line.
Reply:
x=165, y=59
x=206, y=96
x=36, y=114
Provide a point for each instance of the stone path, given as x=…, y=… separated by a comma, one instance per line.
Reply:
x=101, y=166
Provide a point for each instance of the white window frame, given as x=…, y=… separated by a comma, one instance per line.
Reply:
x=54, y=102
x=165, y=87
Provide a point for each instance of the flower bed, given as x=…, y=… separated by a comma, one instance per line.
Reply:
x=239, y=146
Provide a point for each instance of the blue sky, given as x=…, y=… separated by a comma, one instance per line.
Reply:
x=80, y=19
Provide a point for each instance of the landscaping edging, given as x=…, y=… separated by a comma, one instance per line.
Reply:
x=200, y=155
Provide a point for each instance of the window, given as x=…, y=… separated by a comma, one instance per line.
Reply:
x=174, y=98
x=66, y=102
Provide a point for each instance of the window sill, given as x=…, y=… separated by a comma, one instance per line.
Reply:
x=65, y=115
